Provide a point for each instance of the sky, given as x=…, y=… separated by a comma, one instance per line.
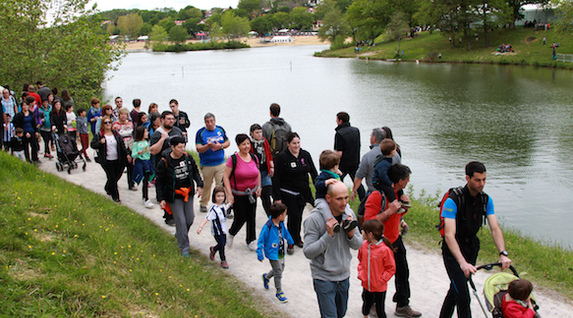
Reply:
x=104, y=5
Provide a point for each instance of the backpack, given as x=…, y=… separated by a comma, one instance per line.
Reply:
x=360, y=211
x=462, y=221
x=278, y=140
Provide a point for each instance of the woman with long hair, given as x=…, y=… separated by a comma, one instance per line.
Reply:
x=124, y=128
x=111, y=155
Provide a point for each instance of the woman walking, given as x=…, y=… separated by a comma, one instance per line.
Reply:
x=242, y=182
x=111, y=155
x=290, y=184
x=27, y=121
x=125, y=129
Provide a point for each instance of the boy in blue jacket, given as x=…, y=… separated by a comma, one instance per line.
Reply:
x=271, y=241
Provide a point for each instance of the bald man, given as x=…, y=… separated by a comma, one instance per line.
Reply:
x=328, y=248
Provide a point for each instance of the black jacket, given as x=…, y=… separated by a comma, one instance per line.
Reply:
x=347, y=140
x=165, y=178
x=101, y=149
x=291, y=173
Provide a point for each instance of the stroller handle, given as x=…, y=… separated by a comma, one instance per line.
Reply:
x=490, y=266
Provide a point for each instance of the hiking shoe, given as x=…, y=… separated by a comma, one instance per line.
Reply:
x=406, y=205
x=203, y=209
x=406, y=311
x=290, y=249
x=230, y=240
x=281, y=297
x=252, y=246
x=148, y=204
x=212, y=254
x=348, y=226
x=300, y=244
x=224, y=264
x=401, y=210
x=170, y=222
x=265, y=282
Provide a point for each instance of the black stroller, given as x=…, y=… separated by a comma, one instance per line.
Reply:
x=68, y=153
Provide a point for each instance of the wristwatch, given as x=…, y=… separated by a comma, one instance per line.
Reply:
x=504, y=253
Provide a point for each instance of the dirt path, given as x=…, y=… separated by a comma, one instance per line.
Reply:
x=428, y=279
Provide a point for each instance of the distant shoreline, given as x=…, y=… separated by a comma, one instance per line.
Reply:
x=252, y=42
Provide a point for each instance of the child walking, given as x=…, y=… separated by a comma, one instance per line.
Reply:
x=7, y=132
x=271, y=241
x=217, y=215
x=82, y=127
x=142, y=168
x=376, y=266
x=17, y=144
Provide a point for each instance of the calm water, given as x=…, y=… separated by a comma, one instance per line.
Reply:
x=518, y=121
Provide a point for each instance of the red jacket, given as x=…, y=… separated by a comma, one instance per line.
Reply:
x=512, y=309
x=268, y=153
x=376, y=266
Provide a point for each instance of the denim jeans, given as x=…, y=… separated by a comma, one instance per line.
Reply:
x=332, y=297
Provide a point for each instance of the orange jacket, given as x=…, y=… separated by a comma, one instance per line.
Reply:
x=376, y=266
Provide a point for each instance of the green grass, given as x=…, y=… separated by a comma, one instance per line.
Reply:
x=527, y=44
x=547, y=265
x=65, y=251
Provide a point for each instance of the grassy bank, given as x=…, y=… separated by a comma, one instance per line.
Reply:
x=548, y=266
x=527, y=44
x=66, y=251
x=229, y=45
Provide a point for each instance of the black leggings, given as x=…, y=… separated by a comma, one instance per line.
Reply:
x=245, y=211
x=113, y=170
x=369, y=299
x=47, y=136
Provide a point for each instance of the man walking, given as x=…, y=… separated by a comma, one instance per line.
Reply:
x=211, y=142
x=377, y=207
x=276, y=130
x=463, y=213
x=347, y=145
x=181, y=119
x=328, y=248
x=366, y=166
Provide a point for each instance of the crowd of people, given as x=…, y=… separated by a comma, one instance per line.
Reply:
x=270, y=164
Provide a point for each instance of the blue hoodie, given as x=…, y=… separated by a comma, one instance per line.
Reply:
x=269, y=240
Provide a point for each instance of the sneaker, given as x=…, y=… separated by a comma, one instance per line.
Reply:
x=253, y=246
x=224, y=264
x=170, y=222
x=265, y=282
x=186, y=255
x=406, y=205
x=230, y=213
x=230, y=240
x=407, y=311
x=281, y=297
x=348, y=226
x=148, y=204
x=401, y=210
x=290, y=249
x=88, y=159
x=212, y=254
x=203, y=209
x=300, y=244
x=336, y=228
x=133, y=188
x=49, y=156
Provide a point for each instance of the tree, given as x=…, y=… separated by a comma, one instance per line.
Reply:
x=178, y=34
x=398, y=27
x=492, y=12
x=70, y=52
x=189, y=12
x=158, y=34
x=334, y=27
x=280, y=20
x=167, y=23
x=234, y=26
x=262, y=25
x=129, y=25
x=253, y=8
x=564, y=22
x=517, y=5
x=301, y=19
x=368, y=18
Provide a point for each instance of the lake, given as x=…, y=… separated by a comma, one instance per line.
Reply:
x=517, y=120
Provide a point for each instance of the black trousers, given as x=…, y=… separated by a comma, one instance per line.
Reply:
x=31, y=145
x=220, y=247
x=369, y=299
x=113, y=171
x=402, y=277
x=458, y=294
x=245, y=212
x=266, y=198
x=351, y=171
x=47, y=136
x=295, y=207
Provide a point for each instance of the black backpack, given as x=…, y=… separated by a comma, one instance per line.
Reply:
x=466, y=223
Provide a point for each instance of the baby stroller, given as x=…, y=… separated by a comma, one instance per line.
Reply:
x=68, y=153
x=495, y=289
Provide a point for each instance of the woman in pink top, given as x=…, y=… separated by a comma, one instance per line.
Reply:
x=243, y=185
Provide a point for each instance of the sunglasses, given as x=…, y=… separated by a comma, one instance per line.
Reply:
x=107, y=122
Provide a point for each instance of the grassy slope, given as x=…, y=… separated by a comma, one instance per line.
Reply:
x=66, y=251
x=526, y=43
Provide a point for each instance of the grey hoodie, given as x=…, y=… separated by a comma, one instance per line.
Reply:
x=329, y=256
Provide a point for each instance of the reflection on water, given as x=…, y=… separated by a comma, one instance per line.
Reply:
x=516, y=120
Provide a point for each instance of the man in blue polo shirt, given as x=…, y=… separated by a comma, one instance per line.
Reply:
x=463, y=214
x=211, y=141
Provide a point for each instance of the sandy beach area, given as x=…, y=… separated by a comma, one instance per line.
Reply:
x=252, y=42
x=428, y=279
